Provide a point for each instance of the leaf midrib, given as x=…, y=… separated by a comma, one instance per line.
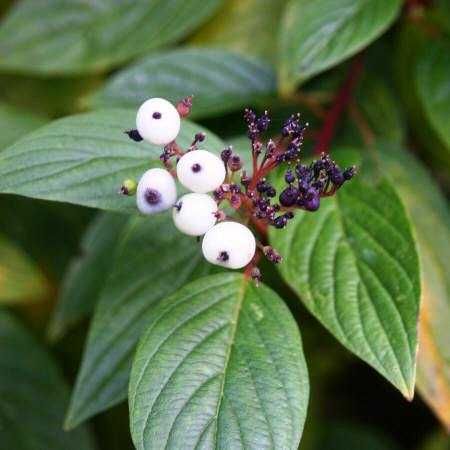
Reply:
x=235, y=321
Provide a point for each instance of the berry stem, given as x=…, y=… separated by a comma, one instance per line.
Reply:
x=340, y=103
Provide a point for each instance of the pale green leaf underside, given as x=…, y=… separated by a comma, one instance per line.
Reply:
x=433, y=84
x=219, y=367
x=219, y=80
x=73, y=36
x=83, y=159
x=354, y=264
x=86, y=275
x=33, y=395
x=21, y=280
x=317, y=35
x=152, y=260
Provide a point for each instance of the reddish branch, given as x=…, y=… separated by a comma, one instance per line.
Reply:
x=340, y=103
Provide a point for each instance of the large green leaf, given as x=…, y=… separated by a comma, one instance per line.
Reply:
x=220, y=81
x=153, y=260
x=246, y=27
x=83, y=159
x=220, y=367
x=33, y=395
x=21, y=280
x=355, y=266
x=433, y=85
x=73, y=36
x=431, y=219
x=320, y=34
x=15, y=123
x=87, y=274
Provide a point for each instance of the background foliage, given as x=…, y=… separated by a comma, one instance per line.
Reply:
x=93, y=304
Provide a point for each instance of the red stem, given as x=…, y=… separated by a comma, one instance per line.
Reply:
x=340, y=103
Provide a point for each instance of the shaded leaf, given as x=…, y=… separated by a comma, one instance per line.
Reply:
x=380, y=109
x=355, y=266
x=220, y=366
x=431, y=219
x=87, y=274
x=75, y=36
x=153, y=260
x=83, y=159
x=318, y=35
x=433, y=85
x=33, y=395
x=15, y=123
x=21, y=280
x=220, y=81
x=245, y=27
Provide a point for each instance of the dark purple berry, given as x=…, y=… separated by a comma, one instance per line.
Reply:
x=289, y=196
x=313, y=203
x=337, y=177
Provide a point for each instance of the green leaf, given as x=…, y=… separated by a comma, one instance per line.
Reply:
x=354, y=265
x=431, y=219
x=318, y=35
x=33, y=395
x=433, y=85
x=21, y=280
x=153, y=260
x=15, y=123
x=220, y=81
x=87, y=274
x=83, y=159
x=220, y=366
x=61, y=37
x=380, y=109
x=245, y=27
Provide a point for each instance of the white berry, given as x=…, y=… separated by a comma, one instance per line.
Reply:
x=194, y=214
x=158, y=121
x=229, y=244
x=156, y=191
x=201, y=171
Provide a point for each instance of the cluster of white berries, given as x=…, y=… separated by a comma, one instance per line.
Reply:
x=228, y=243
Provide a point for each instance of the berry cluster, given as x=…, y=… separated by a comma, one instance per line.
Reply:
x=226, y=240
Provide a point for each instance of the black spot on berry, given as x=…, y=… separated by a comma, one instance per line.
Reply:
x=152, y=196
x=157, y=115
x=196, y=168
x=223, y=256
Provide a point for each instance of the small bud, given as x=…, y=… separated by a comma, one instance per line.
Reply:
x=289, y=177
x=235, y=163
x=349, y=173
x=235, y=201
x=272, y=255
x=271, y=192
x=256, y=275
x=134, y=135
x=128, y=187
x=184, y=106
x=226, y=154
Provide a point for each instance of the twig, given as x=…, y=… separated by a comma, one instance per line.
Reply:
x=340, y=103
